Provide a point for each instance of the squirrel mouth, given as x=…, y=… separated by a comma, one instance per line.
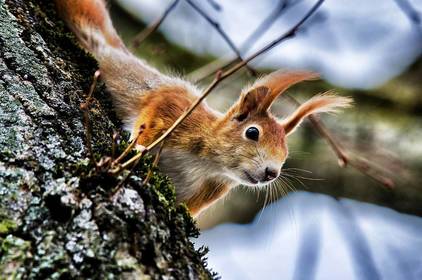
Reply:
x=250, y=178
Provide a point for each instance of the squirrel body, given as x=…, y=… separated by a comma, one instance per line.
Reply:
x=209, y=152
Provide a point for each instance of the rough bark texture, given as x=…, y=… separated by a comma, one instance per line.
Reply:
x=58, y=218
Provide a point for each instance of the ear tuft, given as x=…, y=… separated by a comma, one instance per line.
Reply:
x=249, y=102
x=322, y=103
x=328, y=102
x=279, y=81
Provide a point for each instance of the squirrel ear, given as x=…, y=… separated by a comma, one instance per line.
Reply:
x=327, y=102
x=264, y=91
x=250, y=101
x=278, y=82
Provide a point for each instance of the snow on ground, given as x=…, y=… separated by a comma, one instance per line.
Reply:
x=359, y=43
x=314, y=236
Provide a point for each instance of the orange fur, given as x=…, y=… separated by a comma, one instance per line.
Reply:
x=210, y=191
x=323, y=103
x=279, y=81
x=209, y=152
x=82, y=14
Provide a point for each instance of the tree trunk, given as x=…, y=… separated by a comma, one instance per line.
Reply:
x=59, y=217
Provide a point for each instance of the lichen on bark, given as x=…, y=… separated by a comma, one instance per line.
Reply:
x=58, y=218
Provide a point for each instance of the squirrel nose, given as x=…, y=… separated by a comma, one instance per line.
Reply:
x=270, y=174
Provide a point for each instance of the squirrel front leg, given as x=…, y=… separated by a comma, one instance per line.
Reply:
x=208, y=192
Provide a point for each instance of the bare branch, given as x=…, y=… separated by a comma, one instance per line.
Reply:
x=130, y=146
x=366, y=168
x=140, y=37
x=281, y=8
x=85, y=108
x=120, y=184
x=411, y=13
x=211, y=68
x=222, y=33
x=154, y=164
x=114, y=139
x=215, y=5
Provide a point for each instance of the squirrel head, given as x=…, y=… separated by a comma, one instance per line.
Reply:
x=252, y=142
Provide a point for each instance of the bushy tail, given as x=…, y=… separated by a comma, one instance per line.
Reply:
x=126, y=76
x=90, y=21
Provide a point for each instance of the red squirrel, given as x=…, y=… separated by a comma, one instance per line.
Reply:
x=209, y=152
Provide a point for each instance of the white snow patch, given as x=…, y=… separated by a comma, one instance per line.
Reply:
x=313, y=236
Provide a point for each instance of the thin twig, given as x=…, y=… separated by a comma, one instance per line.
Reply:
x=154, y=164
x=222, y=33
x=281, y=8
x=215, y=5
x=219, y=78
x=411, y=13
x=130, y=147
x=113, y=144
x=85, y=108
x=336, y=146
x=120, y=184
x=366, y=169
x=210, y=69
x=140, y=37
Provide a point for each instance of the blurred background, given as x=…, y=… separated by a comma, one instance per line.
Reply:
x=370, y=50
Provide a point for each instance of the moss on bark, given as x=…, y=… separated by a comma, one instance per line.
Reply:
x=58, y=218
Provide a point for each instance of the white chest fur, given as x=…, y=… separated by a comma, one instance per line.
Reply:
x=188, y=171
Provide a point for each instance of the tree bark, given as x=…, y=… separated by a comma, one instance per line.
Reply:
x=58, y=216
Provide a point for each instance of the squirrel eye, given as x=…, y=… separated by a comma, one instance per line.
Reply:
x=252, y=133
